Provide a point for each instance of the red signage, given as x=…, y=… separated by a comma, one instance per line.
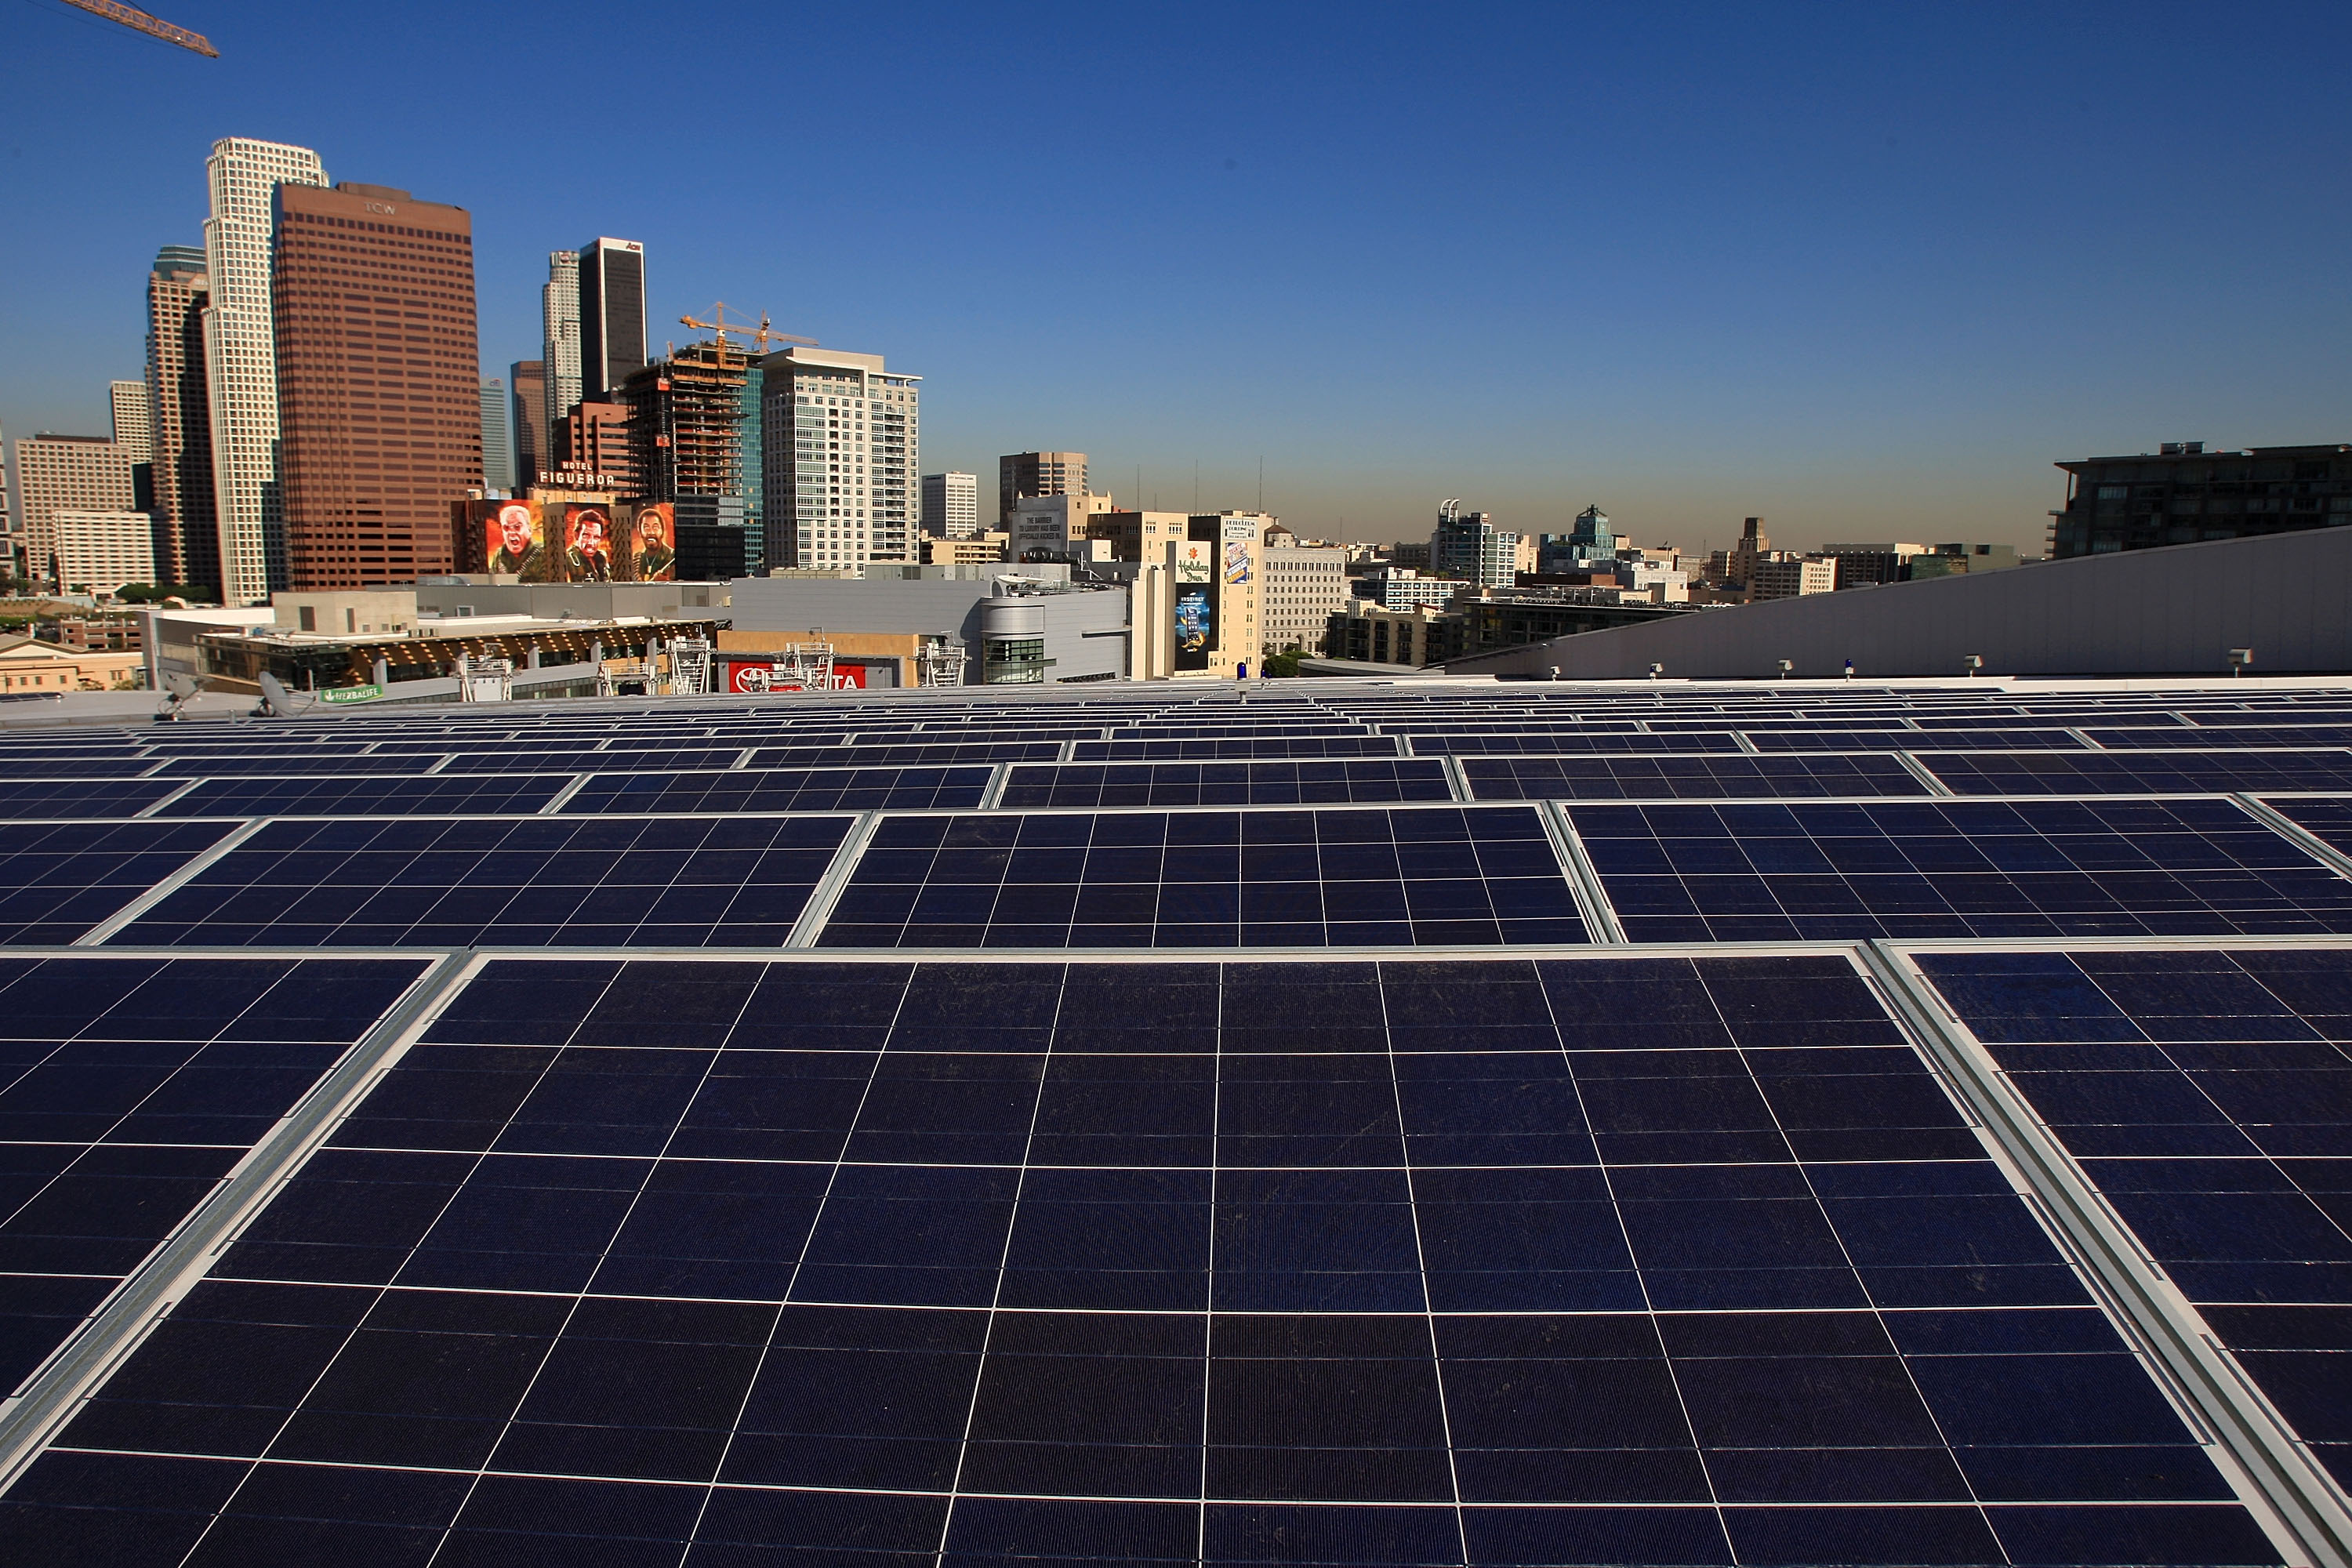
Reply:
x=759, y=677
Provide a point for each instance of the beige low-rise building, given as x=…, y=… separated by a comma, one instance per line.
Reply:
x=28, y=664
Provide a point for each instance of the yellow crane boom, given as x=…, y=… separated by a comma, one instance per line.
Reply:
x=153, y=26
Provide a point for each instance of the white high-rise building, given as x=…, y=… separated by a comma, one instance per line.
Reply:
x=951, y=505
x=135, y=424
x=1301, y=586
x=65, y=474
x=559, y=309
x=101, y=550
x=841, y=453
x=241, y=358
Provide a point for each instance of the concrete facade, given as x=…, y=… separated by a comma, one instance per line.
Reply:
x=2175, y=611
x=1085, y=631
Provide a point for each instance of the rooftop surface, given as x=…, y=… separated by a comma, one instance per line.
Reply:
x=1408, y=1123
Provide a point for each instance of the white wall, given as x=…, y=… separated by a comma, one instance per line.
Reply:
x=2173, y=611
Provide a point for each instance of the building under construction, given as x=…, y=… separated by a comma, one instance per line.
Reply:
x=686, y=423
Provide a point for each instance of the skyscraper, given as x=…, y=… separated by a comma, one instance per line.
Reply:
x=497, y=458
x=951, y=505
x=1038, y=474
x=241, y=358
x=135, y=432
x=134, y=426
x=534, y=446
x=377, y=439
x=612, y=315
x=187, y=541
x=842, y=442
x=65, y=474
x=558, y=309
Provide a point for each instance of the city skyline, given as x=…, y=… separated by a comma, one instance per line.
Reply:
x=1864, y=276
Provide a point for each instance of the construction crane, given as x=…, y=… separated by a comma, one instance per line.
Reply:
x=721, y=326
x=153, y=26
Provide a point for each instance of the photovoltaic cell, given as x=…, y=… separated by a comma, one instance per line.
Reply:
x=1926, y=869
x=2140, y=772
x=1350, y=781
x=129, y=1086
x=59, y=798
x=910, y=754
x=782, y=789
x=2208, y=1097
x=1271, y=748
x=1698, y=778
x=537, y=881
x=1412, y=877
x=1192, y=1263
x=1564, y=745
x=504, y=794
x=56, y=881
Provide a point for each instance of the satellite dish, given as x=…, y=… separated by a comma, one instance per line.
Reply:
x=273, y=701
x=182, y=686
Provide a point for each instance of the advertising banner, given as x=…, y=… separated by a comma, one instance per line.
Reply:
x=1196, y=604
x=1237, y=562
x=653, y=543
x=588, y=543
x=755, y=679
x=514, y=539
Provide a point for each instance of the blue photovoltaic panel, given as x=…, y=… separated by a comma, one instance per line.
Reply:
x=782, y=789
x=37, y=770
x=2214, y=732
x=56, y=881
x=2209, y=1096
x=922, y=755
x=537, y=881
x=1909, y=740
x=289, y=762
x=1410, y=877
x=66, y=797
x=1565, y=744
x=1697, y=778
x=618, y=759
x=1926, y=869
x=1345, y=780
x=2139, y=772
x=129, y=1086
x=2328, y=819
x=1504, y=1263
x=1272, y=748
x=315, y=794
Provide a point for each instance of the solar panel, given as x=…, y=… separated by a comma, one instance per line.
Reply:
x=533, y=881
x=2328, y=819
x=129, y=1086
x=1907, y=739
x=1565, y=744
x=289, y=760
x=2139, y=772
x=2224, y=734
x=1975, y=868
x=2209, y=1098
x=1272, y=748
x=922, y=755
x=617, y=759
x=1686, y=778
x=55, y=798
x=1350, y=781
x=59, y=880
x=1406, y=876
x=316, y=794
x=1314, y=1327
x=782, y=789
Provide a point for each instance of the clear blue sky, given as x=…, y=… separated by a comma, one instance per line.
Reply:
x=1865, y=271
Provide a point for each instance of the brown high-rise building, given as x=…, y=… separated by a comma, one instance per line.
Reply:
x=534, y=448
x=686, y=423
x=1038, y=474
x=378, y=381
x=187, y=539
x=596, y=440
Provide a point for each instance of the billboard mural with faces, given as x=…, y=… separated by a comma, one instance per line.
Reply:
x=653, y=543
x=588, y=543
x=513, y=540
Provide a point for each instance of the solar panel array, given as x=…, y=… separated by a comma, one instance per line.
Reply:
x=1345, y=1124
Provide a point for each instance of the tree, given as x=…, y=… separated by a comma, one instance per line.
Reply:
x=1282, y=665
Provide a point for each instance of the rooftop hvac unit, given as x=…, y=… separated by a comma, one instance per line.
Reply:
x=804, y=667
x=689, y=667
